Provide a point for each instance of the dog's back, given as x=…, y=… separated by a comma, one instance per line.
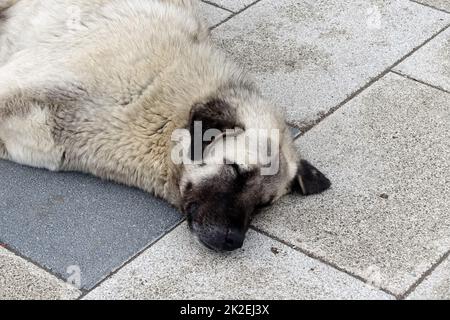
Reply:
x=27, y=23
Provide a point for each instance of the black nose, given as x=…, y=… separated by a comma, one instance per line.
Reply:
x=234, y=240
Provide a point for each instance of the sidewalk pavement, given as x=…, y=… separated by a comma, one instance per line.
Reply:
x=366, y=86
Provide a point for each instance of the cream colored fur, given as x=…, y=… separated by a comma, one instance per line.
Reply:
x=99, y=86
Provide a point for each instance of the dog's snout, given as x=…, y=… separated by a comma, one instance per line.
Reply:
x=234, y=239
x=224, y=240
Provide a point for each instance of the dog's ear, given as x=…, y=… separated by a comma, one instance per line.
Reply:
x=214, y=116
x=309, y=180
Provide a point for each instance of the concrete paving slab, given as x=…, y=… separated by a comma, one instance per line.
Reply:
x=430, y=64
x=233, y=5
x=21, y=280
x=309, y=56
x=436, y=286
x=178, y=267
x=439, y=4
x=65, y=221
x=387, y=216
x=213, y=15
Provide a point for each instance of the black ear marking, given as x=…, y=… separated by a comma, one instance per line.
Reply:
x=309, y=180
x=215, y=114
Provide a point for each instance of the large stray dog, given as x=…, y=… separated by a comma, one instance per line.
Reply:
x=100, y=86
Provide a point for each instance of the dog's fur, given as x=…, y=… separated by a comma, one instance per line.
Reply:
x=99, y=86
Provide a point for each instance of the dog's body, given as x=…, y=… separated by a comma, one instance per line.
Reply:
x=99, y=86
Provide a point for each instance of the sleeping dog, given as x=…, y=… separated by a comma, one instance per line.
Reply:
x=119, y=88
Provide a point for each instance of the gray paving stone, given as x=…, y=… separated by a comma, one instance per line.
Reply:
x=294, y=131
x=431, y=63
x=308, y=56
x=178, y=267
x=61, y=220
x=439, y=4
x=436, y=286
x=387, y=216
x=20, y=279
x=233, y=5
x=213, y=15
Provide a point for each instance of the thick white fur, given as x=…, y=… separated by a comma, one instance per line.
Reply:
x=100, y=85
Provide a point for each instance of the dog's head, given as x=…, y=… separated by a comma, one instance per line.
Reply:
x=244, y=160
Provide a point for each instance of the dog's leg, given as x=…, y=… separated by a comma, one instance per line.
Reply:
x=27, y=115
x=26, y=132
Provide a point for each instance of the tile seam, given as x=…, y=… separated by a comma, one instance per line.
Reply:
x=420, y=81
x=371, y=82
x=217, y=6
x=234, y=14
x=430, y=6
x=131, y=259
x=424, y=276
x=43, y=268
x=323, y=261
